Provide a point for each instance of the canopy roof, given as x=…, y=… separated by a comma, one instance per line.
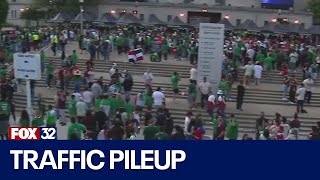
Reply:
x=107, y=18
x=249, y=25
x=154, y=20
x=128, y=18
x=87, y=17
x=61, y=17
x=227, y=24
x=176, y=21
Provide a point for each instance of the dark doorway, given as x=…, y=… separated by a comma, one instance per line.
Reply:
x=204, y=17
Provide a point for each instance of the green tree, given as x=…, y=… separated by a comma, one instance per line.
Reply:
x=71, y=6
x=4, y=8
x=314, y=6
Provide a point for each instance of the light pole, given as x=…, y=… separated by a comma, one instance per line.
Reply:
x=81, y=16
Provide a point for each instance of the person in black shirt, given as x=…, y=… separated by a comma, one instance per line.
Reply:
x=127, y=87
x=101, y=118
x=116, y=132
x=261, y=123
x=240, y=94
x=161, y=117
x=179, y=134
x=314, y=135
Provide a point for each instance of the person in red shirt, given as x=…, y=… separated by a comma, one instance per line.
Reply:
x=221, y=105
x=91, y=125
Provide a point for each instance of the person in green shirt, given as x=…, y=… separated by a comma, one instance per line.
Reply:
x=24, y=119
x=38, y=120
x=43, y=60
x=97, y=103
x=74, y=57
x=4, y=108
x=161, y=135
x=268, y=64
x=106, y=104
x=175, y=84
x=51, y=117
x=193, y=52
x=215, y=124
x=148, y=96
x=314, y=70
x=224, y=86
x=71, y=104
x=232, y=128
x=165, y=50
x=75, y=130
x=150, y=131
x=50, y=72
x=3, y=72
x=260, y=56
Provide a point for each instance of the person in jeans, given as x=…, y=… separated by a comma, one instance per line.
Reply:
x=308, y=84
x=204, y=88
x=285, y=83
x=300, y=94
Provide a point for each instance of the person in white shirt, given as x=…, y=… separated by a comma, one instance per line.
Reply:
x=247, y=74
x=251, y=53
x=205, y=89
x=187, y=121
x=300, y=94
x=113, y=69
x=193, y=74
x=87, y=97
x=257, y=72
x=158, y=98
x=308, y=84
x=293, y=61
x=148, y=77
x=96, y=90
x=286, y=127
x=81, y=109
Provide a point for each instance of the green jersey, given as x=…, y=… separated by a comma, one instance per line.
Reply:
x=175, y=82
x=76, y=129
x=3, y=73
x=50, y=69
x=232, y=130
x=162, y=136
x=51, y=118
x=24, y=123
x=192, y=89
x=71, y=104
x=268, y=62
x=4, y=108
x=150, y=132
x=97, y=104
x=74, y=58
x=38, y=121
x=43, y=58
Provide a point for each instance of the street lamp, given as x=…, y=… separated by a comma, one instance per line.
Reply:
x=81, y=16
x=296, y=21
x=274, y=20
x=181, y=14
x=226, y=17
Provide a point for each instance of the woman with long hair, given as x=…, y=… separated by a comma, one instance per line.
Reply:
x=24, y=119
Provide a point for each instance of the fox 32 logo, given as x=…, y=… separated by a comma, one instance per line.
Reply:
x=32, y=133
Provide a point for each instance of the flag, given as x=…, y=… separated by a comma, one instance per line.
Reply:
x=135, y=55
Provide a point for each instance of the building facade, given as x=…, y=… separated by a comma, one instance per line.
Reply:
x=187, y=10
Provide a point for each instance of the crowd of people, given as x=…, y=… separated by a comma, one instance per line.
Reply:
x=105, y=109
